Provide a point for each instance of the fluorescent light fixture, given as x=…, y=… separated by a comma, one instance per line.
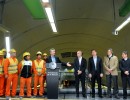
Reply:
x=123, y=24
x=53, y=27
x=50, y=16
x=45, y=1
x=115, y=32
x=3, y=29
x=7, y=41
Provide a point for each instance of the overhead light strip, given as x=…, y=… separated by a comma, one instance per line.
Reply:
x=53, y=27
x=49, y=13
x=45, y=1
x=123, y=24
x=7, y=41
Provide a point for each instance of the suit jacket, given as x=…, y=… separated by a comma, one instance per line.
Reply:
x=81, y=67
x=111, y=64
x=91, y=66
x=124, y=66
x=49, y=60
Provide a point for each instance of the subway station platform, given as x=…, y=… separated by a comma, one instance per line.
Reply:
x=65, y=94
x=69, y=97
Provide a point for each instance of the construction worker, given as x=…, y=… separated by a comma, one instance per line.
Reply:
x=44, y=56
x=5, y=52
x=44, y=76
x=2, y=77
x=25, y=70
x=39, y=71
x=11, y=73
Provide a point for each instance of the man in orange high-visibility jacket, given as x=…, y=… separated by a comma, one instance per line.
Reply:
x=39, y=71
x=25, y=70
x=11, y=73
x=44, y=76
x=2, y=77
x=5, y=54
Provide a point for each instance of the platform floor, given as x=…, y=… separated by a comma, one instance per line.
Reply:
x=70, y=97
x=68, y=93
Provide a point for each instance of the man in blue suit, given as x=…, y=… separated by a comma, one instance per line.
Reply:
x=55, y=59
x=95, y=68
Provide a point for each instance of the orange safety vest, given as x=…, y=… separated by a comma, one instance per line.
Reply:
x=13, y=67
x=39, y=66
x=2, y=67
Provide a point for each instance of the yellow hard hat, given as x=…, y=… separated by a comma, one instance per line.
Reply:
x=4, y=50
x=1, y=53
x=39, y=52
x=12, y=50
x=44, y=54
x=26, y=54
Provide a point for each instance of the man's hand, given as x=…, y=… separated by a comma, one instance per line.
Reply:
x=126, y=72
x=90, y=75
x=79, y=72
x=39, y=74
x=6, y=76
x=68, y=64
x=110, y=70
x=101, y=75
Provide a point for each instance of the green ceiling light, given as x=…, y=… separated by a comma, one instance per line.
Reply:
x=125, y=9
x=35, y=8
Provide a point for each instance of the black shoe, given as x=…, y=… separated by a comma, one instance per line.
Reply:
x=117, y=97
x=100, y=96
x=84, y=96
x=42, y=96
x=109, y=96
x=29, y=97
x=77, y=95
x=34, y=96
x=14, y=96
x=1, y=95
x=93, y=96
x=124, y=97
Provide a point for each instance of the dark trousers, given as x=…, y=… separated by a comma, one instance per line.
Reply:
x=79, y=78
x=95, y=77
x=109, y=79
x=125, y=80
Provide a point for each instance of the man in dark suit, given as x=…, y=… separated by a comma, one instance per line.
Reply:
x=53, y=58
x=95, y=68
x=124, y=66
x=80, y=65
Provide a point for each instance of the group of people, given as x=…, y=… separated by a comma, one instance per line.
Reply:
x=96, y=70
x=11, y=69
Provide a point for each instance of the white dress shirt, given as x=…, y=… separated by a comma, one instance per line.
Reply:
x=110, y=56
x=95, y=61
x=80, y=59
x=125, y=59
x=53, y=59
